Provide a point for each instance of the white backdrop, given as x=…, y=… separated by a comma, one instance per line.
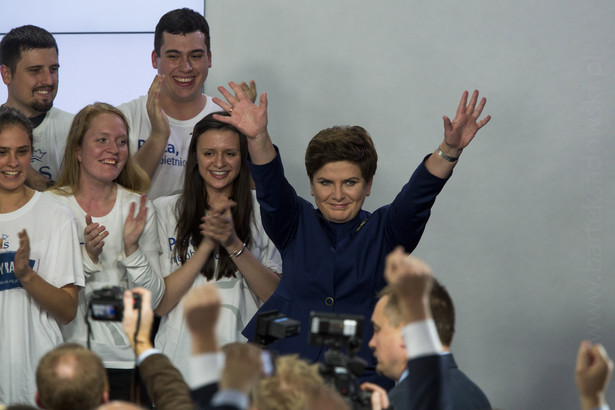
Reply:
x=522, y=235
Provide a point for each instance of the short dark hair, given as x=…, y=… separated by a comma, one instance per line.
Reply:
x=23, y=38
x=440, y=304
x=181, y=21
x=342, y=143
x=443, y=312
x=81, y=387
x=10, y=117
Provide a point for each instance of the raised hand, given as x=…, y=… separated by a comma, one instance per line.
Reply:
x=463, y=128
x=94, y=235
x=243, y=367
x=248, y=118
x=201, y=310
x=138, y=341
x=592, y=374
x=249, y=90
x=218, y=225
x=157, y=117
x=22, y=256
x=134, y=226
x=411, y=280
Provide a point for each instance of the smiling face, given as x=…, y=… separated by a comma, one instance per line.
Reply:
x=219, y=160
x=104, y=149
x=185, y=62
x=15, y=154
x=339, y=190
x=387, y=343
x=33, y=85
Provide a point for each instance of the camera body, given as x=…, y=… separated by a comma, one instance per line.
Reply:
x=108, y=303
x=273, y=325
x=337, y=332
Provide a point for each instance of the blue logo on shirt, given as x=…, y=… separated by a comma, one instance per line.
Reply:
x=8, y=280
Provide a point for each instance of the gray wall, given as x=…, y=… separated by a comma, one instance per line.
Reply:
x=522, y=234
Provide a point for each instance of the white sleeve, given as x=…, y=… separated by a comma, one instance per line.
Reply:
x=421, y=339
x=68, y=267
x=205, y=369
x=143, y=266
x=164, y=222
x=269, y=254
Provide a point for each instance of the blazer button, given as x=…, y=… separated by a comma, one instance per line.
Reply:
x=329, y=301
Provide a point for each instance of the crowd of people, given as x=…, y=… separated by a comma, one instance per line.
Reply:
x=179, y=199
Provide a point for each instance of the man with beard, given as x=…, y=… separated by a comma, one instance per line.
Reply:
x=29, y=68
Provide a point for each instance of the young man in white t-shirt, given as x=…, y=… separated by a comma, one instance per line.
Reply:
x=161, y=122
x=29, y=68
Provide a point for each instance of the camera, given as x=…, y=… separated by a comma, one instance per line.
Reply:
x=338, y=332
x=272, y=325
x=108, y=303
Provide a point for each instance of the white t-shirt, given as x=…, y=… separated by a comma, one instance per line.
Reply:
x=50, y=142
x=27, y=331
x=169, y=176
x=114, y=269
x=239, y=304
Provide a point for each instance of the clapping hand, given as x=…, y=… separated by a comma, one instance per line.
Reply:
x=134, y=226
x=94, y=235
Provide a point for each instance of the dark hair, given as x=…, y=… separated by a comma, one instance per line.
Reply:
x=181, y=21
x=443, y=312
x=440, y=303
x=342, y=143
x=193, y=202
x=21, y=39
x=10, y=117
x=82, y=390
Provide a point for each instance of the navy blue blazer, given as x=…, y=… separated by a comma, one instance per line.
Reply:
x=464, y=393
x=329, y=267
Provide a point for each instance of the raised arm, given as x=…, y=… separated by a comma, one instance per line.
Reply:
x=61, y=303
x=457, y=135
x=164, y=382
x=142, y=256
x=148, y=156
x=180, y=281
x=592, y=374
x=250, y=119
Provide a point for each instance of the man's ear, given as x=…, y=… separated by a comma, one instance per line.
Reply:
x=105, y=397
x=154, y=59
x=5, y=71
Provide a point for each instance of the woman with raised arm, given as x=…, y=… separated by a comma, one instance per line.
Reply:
x=334, y=255
x=40, y=265
x=104, y=187
x=212, y=232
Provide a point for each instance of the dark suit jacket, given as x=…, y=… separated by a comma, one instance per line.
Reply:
x=464, y=394
x=165, y=384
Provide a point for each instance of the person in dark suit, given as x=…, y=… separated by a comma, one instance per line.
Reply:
x=164, y=383
x=410, y=281
x=390, y=351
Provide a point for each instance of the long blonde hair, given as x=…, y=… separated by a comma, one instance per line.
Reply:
x=132, y=176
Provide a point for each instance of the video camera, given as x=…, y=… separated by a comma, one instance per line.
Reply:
x=272, y=325
x=338, y=332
